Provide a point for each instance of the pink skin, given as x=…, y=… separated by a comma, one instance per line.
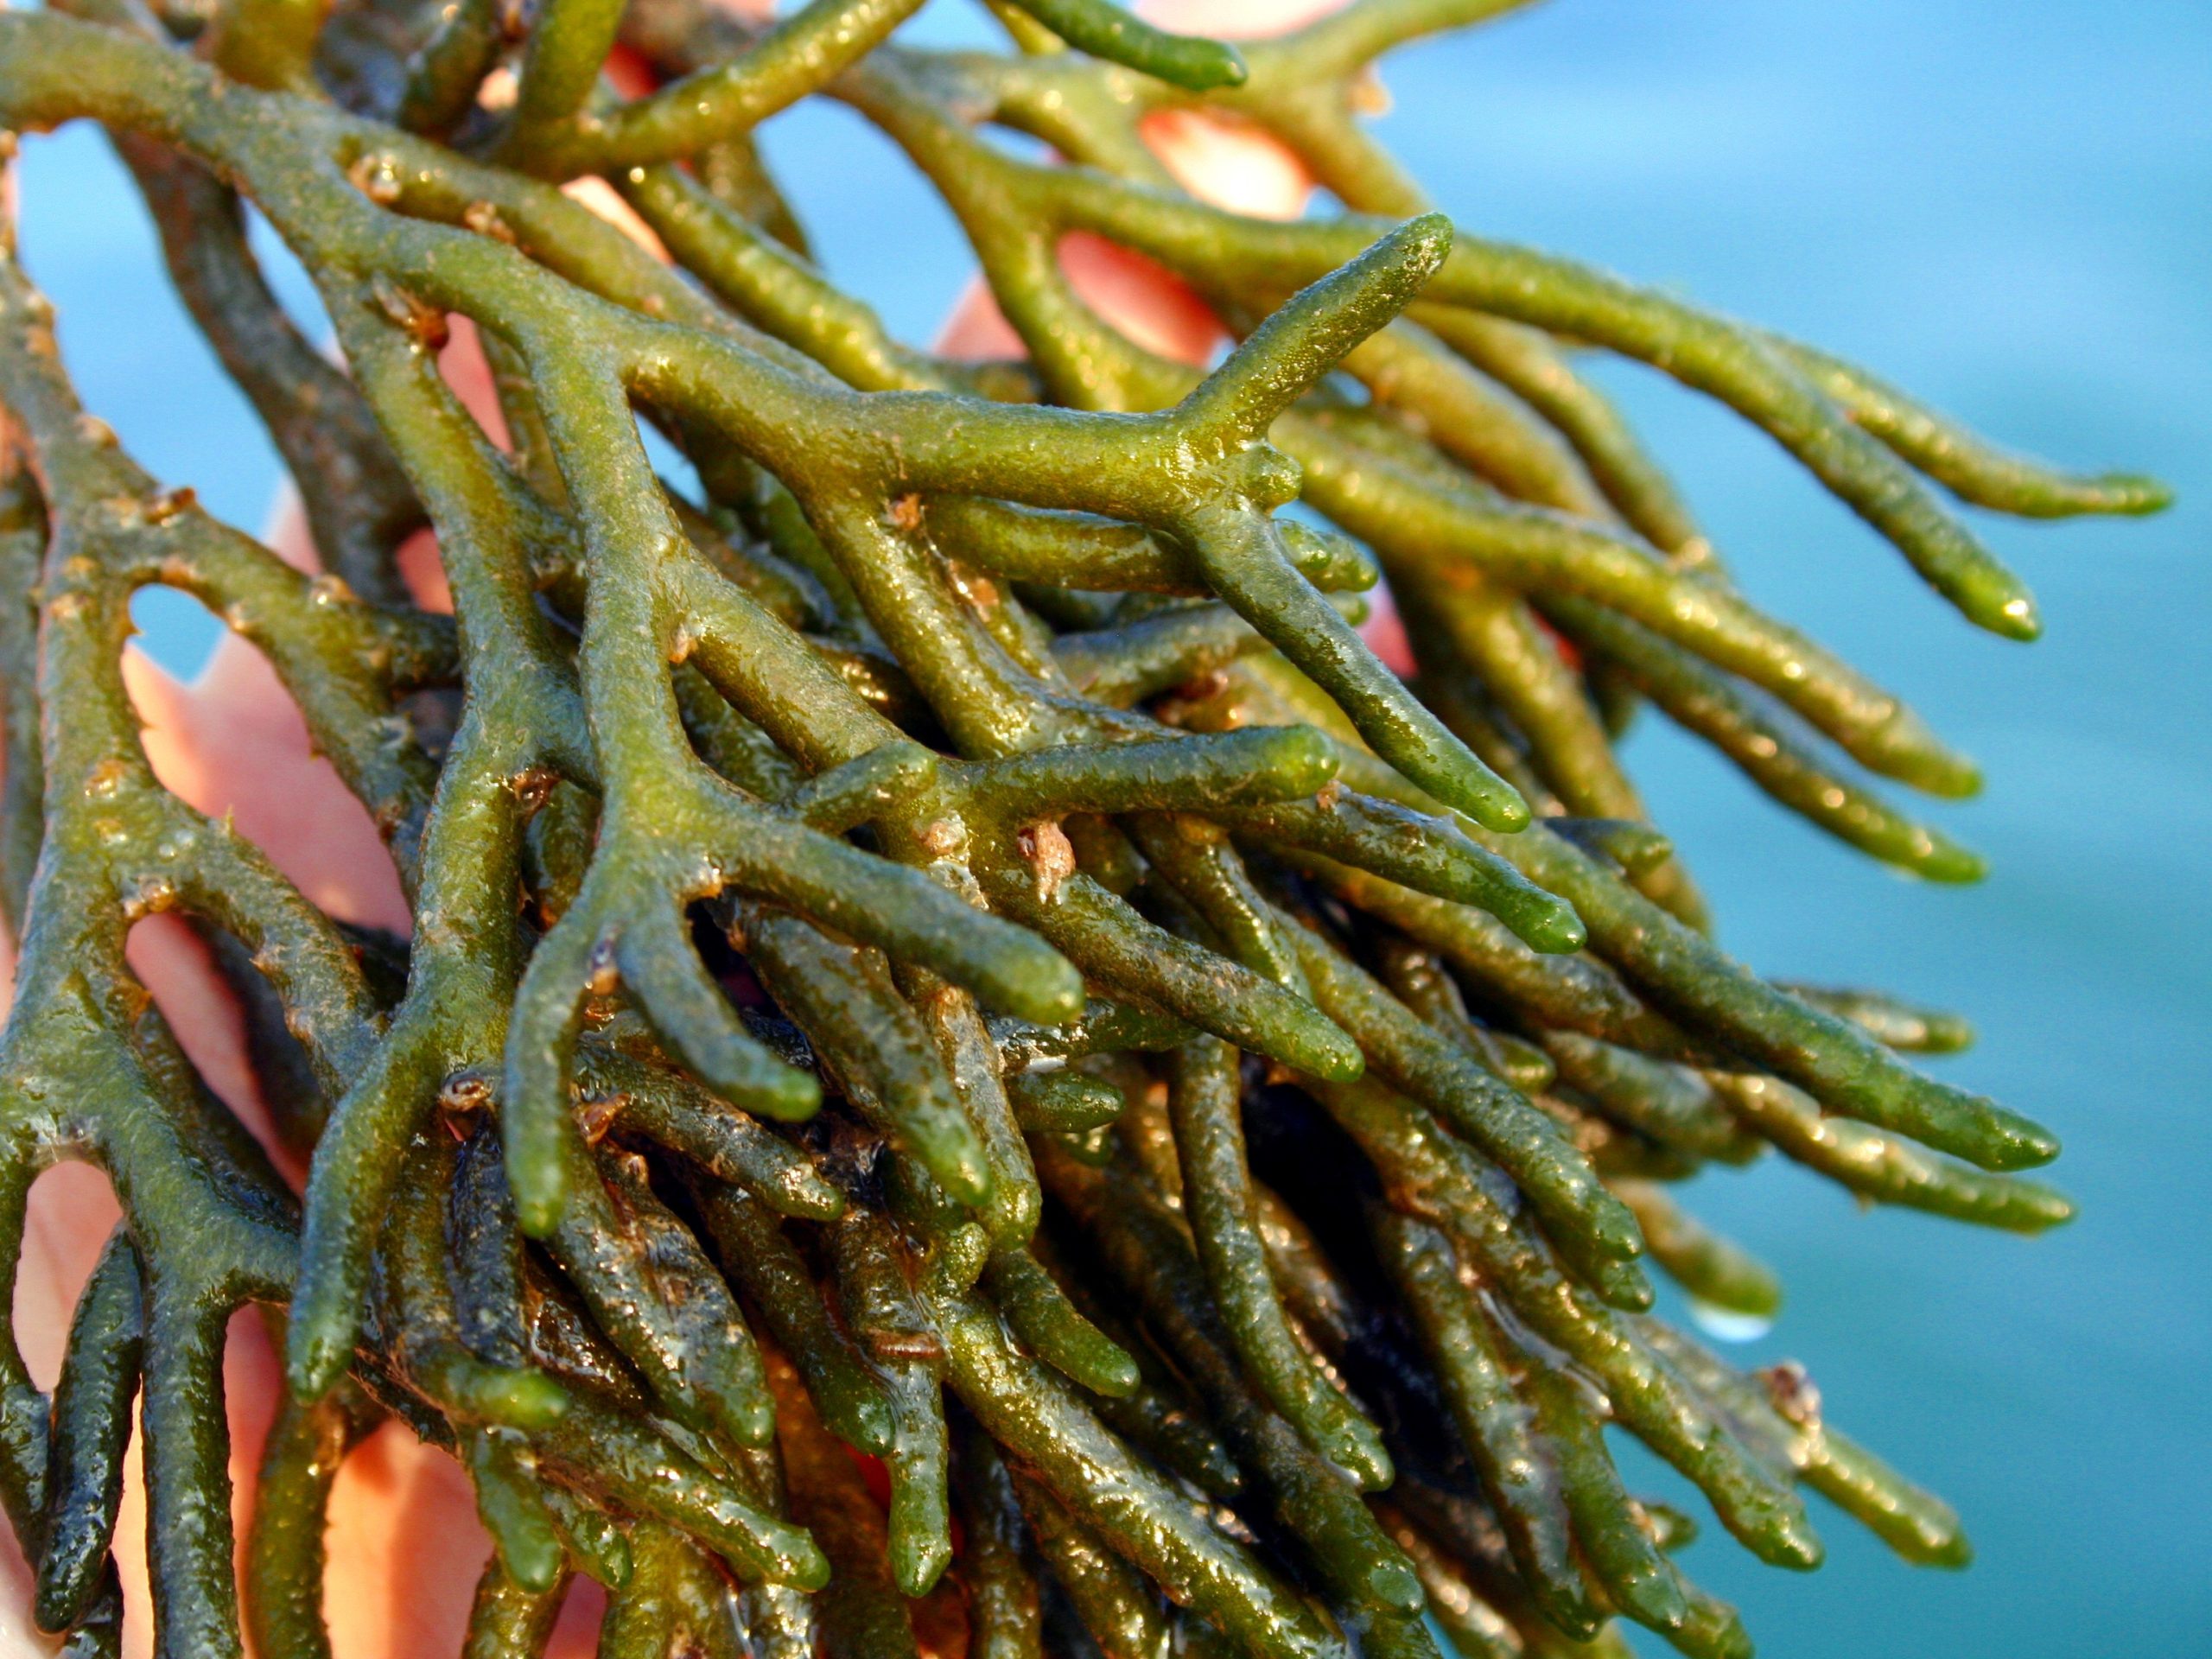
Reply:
x=405, y=1545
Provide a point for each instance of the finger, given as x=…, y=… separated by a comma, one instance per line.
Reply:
x=1235, y=20
x=232, y=744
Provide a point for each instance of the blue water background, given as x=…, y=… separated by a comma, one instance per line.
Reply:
x=2008, y=208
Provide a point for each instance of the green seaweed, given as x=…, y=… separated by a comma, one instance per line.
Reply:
x=944, y=944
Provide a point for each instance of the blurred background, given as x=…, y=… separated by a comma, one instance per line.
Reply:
x=2005, y=205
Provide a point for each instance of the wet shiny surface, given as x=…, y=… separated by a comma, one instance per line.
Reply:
x=2002, y=207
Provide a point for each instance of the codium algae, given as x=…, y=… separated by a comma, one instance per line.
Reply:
x=945, y=947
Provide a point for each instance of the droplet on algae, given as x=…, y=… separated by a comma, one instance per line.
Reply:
x=1726, y=1325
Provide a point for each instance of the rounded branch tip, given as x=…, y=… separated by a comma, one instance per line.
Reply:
x=1227, y=69
x=2135, y=495
x=2016, y=618
x=1299, y=759
x=314, y=1360
x=2014, y=1143
x=1426, y=241
x=1946, y=861
x=786, y=1094
x=1556, y=929
x=2038, y=1208
x=516, y=1399
x=1047, y=991
x=1494, y=804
